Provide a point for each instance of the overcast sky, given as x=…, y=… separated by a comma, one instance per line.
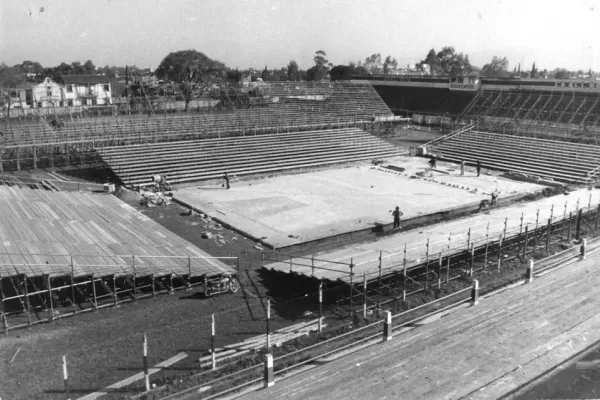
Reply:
x=244, y=33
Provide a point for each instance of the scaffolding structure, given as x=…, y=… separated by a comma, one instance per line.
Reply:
x=37, y=143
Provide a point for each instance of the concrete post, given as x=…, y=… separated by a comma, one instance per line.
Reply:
x=475, y=293
x=387, y=326
x=530, y=272
x=583, y=249
x=269, y=377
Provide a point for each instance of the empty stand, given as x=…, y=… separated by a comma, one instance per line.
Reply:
x=62, y=233
x=188, y=161
x=561, y=161
x=554, y=109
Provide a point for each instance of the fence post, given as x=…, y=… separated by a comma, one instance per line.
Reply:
x=269, y=377
x=551, y=212
x=570, y=223
x=505, y=225
x=525, y=242
x=379, y=283
x=472, y=254
x=213, y=339
x=312, y=264
x=578, y=225
x=404, y=275
x=440, y=271
x=487, y=243
x=146, y=376
x=320, y=307
x=521, y=229
x=351, y=285
x=475, y=293
x=499, y=252
x=268, y=324
x=189, y=282
x=530, y=272
x=65, y=376
x=548, y=233
x=387, y=326
x=50, y=297
x=583, y=248
x=427, y=264
x=365, y=294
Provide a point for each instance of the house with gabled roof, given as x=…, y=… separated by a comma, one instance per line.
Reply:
x=86, y=90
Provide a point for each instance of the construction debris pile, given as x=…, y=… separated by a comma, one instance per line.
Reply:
x=156, y=193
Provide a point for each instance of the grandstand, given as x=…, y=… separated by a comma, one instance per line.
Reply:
x=286, y=107
x=561, y=161
x=194, y=160
x=563, y=115
x=87, y=241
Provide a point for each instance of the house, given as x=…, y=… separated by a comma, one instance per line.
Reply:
x=46, y=94
x=17, y=96
x=86, y=90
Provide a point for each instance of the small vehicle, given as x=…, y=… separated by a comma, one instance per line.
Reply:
x=221, y=284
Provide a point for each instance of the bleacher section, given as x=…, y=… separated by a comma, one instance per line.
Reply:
x=564, y=108
x=286, y=105
x=560, y=161
x=189, y=161
x=63, y=233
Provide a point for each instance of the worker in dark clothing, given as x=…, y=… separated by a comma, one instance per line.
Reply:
x=397, y=214
x=478, y=167
x=494, y=198
x=433, y=162
x=226, y=179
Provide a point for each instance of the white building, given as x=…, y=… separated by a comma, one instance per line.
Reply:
x=47, y=94
x=86, y=90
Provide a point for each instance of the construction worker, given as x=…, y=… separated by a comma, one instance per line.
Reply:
x=478, y=167
x=397, y=214
x=226, y=179
x=462, y=168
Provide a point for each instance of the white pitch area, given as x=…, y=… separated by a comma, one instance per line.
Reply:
x=446, y=237
x=291, y=209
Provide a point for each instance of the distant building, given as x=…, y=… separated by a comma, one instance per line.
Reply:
x=47, y=94
x=86, y=90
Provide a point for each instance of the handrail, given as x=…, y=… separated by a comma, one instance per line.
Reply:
x=457, y=132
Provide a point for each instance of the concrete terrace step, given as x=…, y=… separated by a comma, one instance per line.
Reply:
x=189, y=160
x=523, y=156
x=199, y=160
x=500, y=164
x=262, y=168
x=197, y=148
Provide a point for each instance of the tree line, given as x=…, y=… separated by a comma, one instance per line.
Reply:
x=194, y=73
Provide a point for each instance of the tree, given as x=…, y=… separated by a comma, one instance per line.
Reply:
x=321, y=68
x=373, y=63
x=191, y=70
x=534, y=72
x=389, y=65
x=561, y=73
x=88, y=67
x=453, y=63
x=265, y=74
x=430, y=64
x=292, y=71
x=496, y=68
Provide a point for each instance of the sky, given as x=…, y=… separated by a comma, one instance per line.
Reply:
x=255, y=33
